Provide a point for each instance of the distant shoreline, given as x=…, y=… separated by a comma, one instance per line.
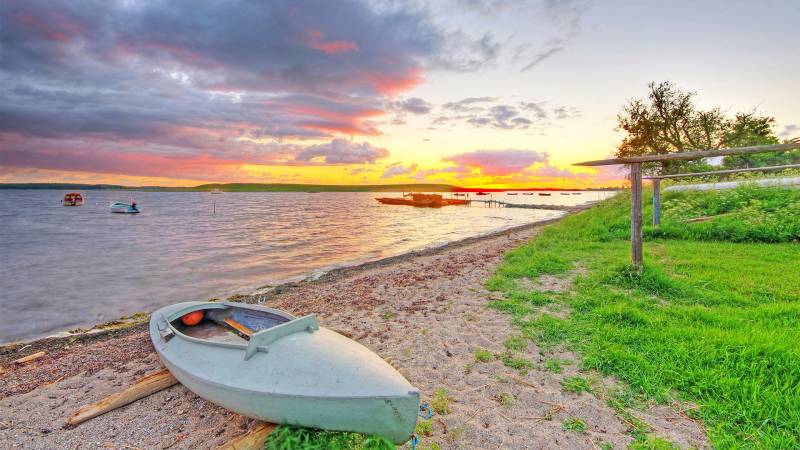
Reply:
x=279, y=187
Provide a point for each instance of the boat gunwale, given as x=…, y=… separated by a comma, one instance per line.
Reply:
x=178, y=313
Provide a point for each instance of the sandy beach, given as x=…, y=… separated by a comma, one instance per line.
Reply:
x=426, y=313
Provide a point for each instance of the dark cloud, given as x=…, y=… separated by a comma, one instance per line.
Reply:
x=462, y=53
x=789, y=130
x=340, y=151
x=565, y=14
x=172, y=161
x=468, y=103
x=414, y=105
x=538, y=108
x=487, y=112
x=565, y=112
x=548, y=50
x=220, y=80
x=485, y=6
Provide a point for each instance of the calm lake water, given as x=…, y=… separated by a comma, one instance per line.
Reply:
x=64, y=267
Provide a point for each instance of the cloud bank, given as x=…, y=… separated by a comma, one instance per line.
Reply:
x=204, y=82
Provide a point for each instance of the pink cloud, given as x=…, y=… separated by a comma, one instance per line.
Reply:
x=554, y=172
x=498, y=162
x=314, y=40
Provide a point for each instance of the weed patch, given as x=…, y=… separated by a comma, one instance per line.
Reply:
x=574, y=424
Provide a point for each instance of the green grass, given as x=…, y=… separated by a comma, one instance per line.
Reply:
x=287, y=437
x=424, y=428
x=653, y=443
x=574, y=424
x=516, y=343
x=440, y=403
x=483, y=355
x=507, y=400
x=521, y=365
x=746, y=214
x=576, y=385
x=556, y=365
x=714, y=318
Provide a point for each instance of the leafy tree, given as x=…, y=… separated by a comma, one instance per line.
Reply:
x=668, y=121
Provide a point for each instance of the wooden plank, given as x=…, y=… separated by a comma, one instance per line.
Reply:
x=29, y=358
x=148, y=385
x=656, y=202
x=239, y=327
x=253, y=439
x=682, y=156
x=722, y=172
x=636, y=216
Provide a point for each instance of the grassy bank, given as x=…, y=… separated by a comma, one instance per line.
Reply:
x=714, y=319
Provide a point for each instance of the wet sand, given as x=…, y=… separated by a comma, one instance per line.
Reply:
x=426, y=313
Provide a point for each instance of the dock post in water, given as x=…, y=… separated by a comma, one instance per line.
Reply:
x=636, y=216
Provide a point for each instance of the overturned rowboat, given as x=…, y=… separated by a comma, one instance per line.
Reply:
x=267, y=364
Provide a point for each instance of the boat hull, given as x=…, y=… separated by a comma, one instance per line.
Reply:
x=406, y=202
x=123, y=208
x=314, y=379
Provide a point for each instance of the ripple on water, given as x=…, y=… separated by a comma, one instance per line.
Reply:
x=63, y=267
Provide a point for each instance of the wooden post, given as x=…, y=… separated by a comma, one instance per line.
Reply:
x=656, y=202
x=636, y=215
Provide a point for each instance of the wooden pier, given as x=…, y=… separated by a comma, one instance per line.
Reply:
x=499, y=204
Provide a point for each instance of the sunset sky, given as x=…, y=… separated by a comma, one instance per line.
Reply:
x=495, y=93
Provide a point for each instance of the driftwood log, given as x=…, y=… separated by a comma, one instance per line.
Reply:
x=148, y=385
x=253, y=439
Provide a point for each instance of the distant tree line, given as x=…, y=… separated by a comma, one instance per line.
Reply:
x=669, y=121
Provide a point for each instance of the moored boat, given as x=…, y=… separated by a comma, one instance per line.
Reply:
x=482, y=193
x=565, y=193
x=511, y=193
x=545, y=194
x=527, y=193
x=216, y=191
x=576, y=193
x=269, y=365
x=125, y=208
x=72, y=199
x=420, y=200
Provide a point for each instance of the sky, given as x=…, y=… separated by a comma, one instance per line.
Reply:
x=493, y=93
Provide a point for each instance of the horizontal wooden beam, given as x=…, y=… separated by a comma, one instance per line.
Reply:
x=683, y=156
x=721, y=172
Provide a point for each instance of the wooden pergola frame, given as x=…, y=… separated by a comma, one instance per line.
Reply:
x=635, y=163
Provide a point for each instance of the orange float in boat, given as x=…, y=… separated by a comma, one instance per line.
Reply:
x=193, y=318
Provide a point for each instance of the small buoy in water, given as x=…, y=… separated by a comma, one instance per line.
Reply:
x=193, y=318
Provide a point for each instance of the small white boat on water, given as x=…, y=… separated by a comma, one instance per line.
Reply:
x=269, y=365
x=125, y=208
x=216, y=191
